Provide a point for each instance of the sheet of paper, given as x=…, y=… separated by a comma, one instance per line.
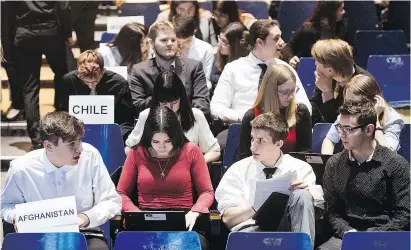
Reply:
x=279, y=184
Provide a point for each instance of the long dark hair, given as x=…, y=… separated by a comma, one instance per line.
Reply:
x=168, y=87
x=163, y=120
x=229, y=8
x=173, y=12
x=236, y=34
x=128, y=41
x=325, y=9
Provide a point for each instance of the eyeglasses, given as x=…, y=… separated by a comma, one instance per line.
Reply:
x=223, y=41
x=347, y=129
x=166, y=103
x=289, y=93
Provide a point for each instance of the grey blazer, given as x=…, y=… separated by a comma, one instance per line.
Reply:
x=143, y=75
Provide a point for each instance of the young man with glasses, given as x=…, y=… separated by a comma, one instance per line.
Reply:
x=366, y=186
x=64, y=167
x=91, y=78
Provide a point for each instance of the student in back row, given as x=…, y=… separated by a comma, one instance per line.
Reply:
x=142, y=76
x=91, y=78
x=366, y=186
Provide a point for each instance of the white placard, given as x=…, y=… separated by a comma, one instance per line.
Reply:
x=114, y=24
x=121, y=70
x=92, y=109
x=53, y=215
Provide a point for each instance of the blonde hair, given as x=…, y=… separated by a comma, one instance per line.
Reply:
x=90, y=64
x=364, y=88
x=160, y=26
x=267, y=97
x=334, y=53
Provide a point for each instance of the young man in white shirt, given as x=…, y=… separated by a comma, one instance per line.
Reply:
x=238, y=85
x=233, y=193
x=64, y=167
x=192, y=47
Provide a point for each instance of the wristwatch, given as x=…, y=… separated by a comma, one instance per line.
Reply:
x=379, y=128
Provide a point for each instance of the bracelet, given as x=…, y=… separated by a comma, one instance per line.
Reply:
x=379, y=128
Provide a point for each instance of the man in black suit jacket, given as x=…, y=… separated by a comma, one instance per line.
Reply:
x=144, y=74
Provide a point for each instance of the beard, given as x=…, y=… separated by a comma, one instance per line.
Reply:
x=161, y=56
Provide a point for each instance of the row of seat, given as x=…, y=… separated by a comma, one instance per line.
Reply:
x=392, y=73
x=190, y=240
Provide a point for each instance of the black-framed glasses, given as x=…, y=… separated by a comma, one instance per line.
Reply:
x=347, y=129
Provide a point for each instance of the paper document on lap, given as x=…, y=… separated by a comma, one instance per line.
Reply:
x=53, y=215
x=260, y=190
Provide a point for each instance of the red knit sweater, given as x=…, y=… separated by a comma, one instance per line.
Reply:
x=184, y=171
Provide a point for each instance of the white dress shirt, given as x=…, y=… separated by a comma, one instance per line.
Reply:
x=234, y=188
x=199, y=134
x=111, y=56
x=203, y=52
x=237, y=88
x=32, y=177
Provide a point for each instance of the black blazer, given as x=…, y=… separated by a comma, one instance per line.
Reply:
x=143, y=75
x=110, y=84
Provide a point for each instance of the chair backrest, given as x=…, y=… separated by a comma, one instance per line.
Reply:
x=379, y=42
x=157, y=240
x=405, y=142
x=361, y=15
x=376, y=241
x=390, y=69
x=108, y=140
x=206, y=5
x=44, y=241
x=319, y=132
x=231, y=148
x=398, y=95
x=258, y=9
x=107, y=37
x=149, y=10
x=268, y=240
x=305, y=71
x=292, y=14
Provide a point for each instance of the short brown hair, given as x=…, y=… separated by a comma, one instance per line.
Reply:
x=160, y=26
x=184, y=26
x=90, y=64
x=363, y=109
x=334, y=53
x=59, y=124
x=274, y=123
x=260, y=29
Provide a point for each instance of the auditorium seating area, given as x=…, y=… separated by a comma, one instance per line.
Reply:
x=385, y=54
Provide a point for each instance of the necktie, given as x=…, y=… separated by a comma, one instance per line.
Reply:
x=269, y=172
x=172, y=68
x=263, y=67
x=93, y=92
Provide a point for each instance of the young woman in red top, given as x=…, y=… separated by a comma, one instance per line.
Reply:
x=168, y=170
x=277, y=95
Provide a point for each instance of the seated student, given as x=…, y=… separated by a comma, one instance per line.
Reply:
x=326, y=22
x=191, y=47
x=90, y=78
x=205, y=29
x=367, y=185
x=166, y=167
x=226, y=12
x=277, y=95
x=141, y=79
x=334, y=68
x=169, y=91
x=267, y=137
x=64, y=167
x=240, y=80
x=232, y=45
x=389, y=123
x=127, y=48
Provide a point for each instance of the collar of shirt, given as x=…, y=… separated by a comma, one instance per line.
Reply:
x=370, y=157
x=277, y=165
x=48, y=166
x=254, y=60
